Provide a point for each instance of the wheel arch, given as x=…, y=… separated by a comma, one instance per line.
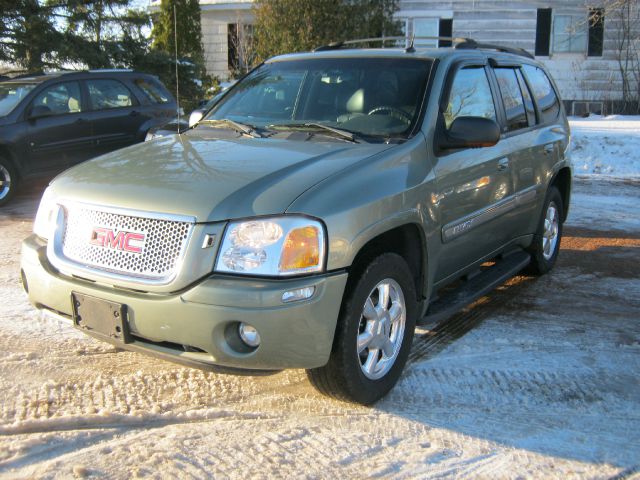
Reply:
x=7, y=154
x=562, y=181
x=408, y=241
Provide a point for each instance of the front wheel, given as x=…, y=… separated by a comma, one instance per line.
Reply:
x=374, y=333
x=8, y=181
x=546, y=242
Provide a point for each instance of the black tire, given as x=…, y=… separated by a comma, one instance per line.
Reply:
x=7, y=174
x=541, y=263
x=343, y=376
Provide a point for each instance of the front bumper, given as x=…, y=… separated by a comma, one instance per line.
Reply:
x=204, y=316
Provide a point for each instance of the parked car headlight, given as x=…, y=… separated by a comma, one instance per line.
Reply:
x=46, y=217
x=278, y=246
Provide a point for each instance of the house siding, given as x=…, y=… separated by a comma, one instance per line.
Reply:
x=513, y=23
x=508, y=22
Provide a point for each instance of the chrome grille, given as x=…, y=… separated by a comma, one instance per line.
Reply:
x=164, y=245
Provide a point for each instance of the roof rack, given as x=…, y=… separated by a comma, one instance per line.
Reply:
x=473, y=45
x=456, y=42
x=109, y=70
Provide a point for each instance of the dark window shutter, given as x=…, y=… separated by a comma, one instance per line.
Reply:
x=232, y=46
x=445, y=29
x=543, y=31
x=596, y=32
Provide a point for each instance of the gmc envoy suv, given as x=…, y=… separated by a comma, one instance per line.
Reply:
x=315, y=215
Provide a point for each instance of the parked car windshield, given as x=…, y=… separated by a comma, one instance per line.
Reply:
x=375, y=97
x=11, y=93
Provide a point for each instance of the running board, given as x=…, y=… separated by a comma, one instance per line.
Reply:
x=476, y=287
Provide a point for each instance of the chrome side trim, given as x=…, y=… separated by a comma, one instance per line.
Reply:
x=463, y=225
x=455, y=229
x=527, y=195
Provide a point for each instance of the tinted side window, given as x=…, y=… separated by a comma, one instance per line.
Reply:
x=470, y=96
x=528, y=102
x=543, y=92
x=107, y=94
x=512, y=99
x=60, y=98
x=152, y=91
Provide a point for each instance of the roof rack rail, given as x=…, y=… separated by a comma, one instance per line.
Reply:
x=109, y=70
x=471, y=44
x=409, y=40
x=456, y=42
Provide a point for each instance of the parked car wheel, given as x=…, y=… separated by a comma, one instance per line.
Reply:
x=373, y=335
x=8, y=181
x=546, y=243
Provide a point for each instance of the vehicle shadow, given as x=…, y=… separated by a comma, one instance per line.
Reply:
x=547, y=365
x=25, y=203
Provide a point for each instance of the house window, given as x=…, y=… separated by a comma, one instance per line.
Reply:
x=425, y=27
x=239, y=47
x=570, y=34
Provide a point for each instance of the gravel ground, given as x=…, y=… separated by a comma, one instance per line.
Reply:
x=538, y=379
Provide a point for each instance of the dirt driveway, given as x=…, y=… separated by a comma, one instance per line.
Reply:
x=538, y=379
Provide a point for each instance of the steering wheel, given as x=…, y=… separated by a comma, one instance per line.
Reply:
x=392, y=112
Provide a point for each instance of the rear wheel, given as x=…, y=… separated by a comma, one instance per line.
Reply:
x=8, y=181
x=374, y=333
x=546, y=243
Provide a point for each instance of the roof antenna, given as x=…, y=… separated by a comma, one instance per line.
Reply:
x=175, y=41
x=410, y=48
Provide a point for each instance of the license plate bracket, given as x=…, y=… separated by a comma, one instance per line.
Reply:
x=100, y=318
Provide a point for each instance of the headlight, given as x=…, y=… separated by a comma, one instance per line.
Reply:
x=46, y=217
x=279, y=246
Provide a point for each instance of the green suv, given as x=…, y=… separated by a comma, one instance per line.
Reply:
x=315, y=215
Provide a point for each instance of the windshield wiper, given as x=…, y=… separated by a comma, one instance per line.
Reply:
x=346, y=134
x=237, y=126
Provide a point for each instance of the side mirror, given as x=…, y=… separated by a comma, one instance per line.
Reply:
x=40, y=111
x=471, y=132
x=195, y=117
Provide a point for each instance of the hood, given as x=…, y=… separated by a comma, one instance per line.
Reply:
x=211, y=179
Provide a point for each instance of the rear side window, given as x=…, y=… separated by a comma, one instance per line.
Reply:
x=512, y=99
x=528, y=102
x=108, y=94
x=152, y=91
x=60, y=98
x=543, y=92
x=470, y=96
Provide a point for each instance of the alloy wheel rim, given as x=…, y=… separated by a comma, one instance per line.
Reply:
x=550, y=232
x=5, y=182
x=381, y=329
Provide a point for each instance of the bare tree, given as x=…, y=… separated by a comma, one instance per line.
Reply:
x=242, y=53
x=624, y=36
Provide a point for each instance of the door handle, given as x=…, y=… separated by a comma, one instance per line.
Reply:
x=503, y=164
x=548, y=149
x=134, y=113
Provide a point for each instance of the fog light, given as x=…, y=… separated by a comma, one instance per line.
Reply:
x=298, y=294
x=249, y=335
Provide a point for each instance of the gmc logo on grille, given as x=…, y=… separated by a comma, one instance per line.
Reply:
x=122, y=241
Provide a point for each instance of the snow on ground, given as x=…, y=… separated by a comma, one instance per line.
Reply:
x=606, y=145
x=537, y=380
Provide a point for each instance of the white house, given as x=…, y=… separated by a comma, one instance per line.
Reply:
x=578, y=43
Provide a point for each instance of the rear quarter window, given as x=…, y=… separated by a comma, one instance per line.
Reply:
x=512, y=99
x=543, y=92
x=152, y=91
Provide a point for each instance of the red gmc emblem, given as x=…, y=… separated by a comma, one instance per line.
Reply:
x=123, y=241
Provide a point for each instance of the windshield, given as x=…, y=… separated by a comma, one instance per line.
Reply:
x=377, y=97
x=10, y=95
